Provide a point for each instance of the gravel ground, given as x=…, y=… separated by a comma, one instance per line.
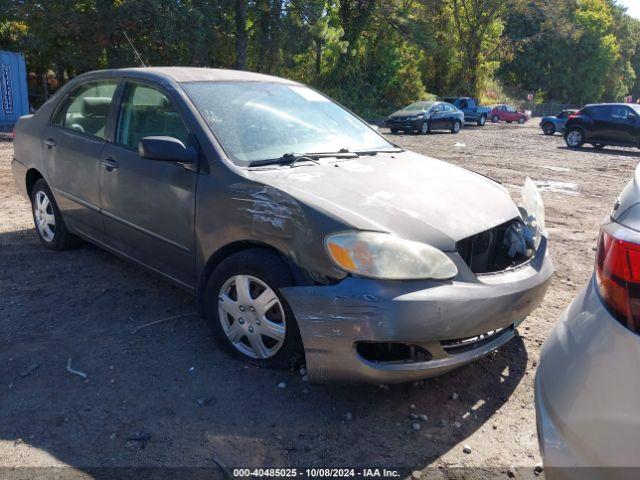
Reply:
x=166, y=396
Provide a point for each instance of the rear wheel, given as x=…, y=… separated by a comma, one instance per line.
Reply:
x=457, y=125
x=548, y=128
x=495, y=119
x=249, y=317
x=50, y=225
x=574, y=138
x=482, y=120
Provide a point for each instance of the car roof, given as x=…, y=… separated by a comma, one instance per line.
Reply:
x=187, y=74
x=608, y=105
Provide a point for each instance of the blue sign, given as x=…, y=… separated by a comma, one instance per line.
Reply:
x=13, y=89
x=7, y=91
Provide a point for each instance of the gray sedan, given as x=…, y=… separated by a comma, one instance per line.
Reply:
x=587, y=384
x=305, y=235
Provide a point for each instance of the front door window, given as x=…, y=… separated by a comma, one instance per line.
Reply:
x=147, y=112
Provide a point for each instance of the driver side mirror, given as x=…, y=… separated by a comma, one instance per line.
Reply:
x=166, y=149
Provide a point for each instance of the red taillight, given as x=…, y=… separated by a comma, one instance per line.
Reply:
x=574, y=115
x=618, y=278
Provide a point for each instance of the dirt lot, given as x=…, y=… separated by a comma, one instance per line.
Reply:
x=185, y=403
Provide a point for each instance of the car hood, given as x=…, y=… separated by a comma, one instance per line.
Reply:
x=407, y=194
x=406, y=113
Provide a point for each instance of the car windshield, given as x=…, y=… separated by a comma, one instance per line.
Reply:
x=256, y=121
x=418, y=106
x=636, y=107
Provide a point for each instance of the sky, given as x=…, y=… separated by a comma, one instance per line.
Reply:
x=633, y=7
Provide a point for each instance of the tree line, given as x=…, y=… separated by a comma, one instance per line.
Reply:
x=371, y=55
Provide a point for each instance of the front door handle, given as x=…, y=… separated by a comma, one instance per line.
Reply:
x=50, y=143
x=110, y=164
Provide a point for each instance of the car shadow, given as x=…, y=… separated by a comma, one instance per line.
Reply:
x=605, y=150
x=159, y=393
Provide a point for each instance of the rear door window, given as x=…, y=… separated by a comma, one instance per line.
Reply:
x=86, y=109
x=147, y=112
x=619, y=113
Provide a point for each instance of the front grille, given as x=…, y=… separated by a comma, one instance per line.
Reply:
x=399, y=119
x=486, y=252
x=462, y=345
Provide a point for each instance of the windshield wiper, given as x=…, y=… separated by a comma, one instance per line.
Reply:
x=366, y=153
x=292, y=158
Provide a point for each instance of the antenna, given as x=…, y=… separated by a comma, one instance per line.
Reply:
x=134, y=49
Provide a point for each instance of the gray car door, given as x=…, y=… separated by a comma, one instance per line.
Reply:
x=72, y=146
x=149, y=206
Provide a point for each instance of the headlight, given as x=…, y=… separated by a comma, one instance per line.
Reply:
x=382, y=255
x=533, y=214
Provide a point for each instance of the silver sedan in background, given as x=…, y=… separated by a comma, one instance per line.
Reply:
x=588, y=382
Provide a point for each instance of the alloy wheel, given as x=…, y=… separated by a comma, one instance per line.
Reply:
x=252, y=316
x=574, y=138
x=44, y=216
x=456, y=127
x=425, y=128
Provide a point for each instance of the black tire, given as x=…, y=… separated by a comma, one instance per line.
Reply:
x=521, y=120
x=509, y=121
x=394, y=130
x=456, y=126
x=268, y=267
x=598, y=146
x=574, y=138
x=425, y=128
x=482, y=120
x=61, y=238
x=495, y=119
x=548, y=128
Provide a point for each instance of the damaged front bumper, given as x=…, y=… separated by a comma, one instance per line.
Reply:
x=374, y=331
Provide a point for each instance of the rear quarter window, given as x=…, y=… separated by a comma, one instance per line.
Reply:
x=86, y=108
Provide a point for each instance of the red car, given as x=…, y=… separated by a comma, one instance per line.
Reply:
x=507, y=113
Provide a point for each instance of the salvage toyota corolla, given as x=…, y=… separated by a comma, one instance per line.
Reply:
x=305, y=234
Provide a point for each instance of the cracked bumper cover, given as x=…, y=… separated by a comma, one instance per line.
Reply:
x=332, y=319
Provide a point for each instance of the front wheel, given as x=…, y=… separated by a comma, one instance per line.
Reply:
x=495, y=119
x=249, y=317
x=574, y=138
x=482, y=120
x=425, y=128
x=457, y=125
x=50, y=225
x=549, y=128
x=521, y=120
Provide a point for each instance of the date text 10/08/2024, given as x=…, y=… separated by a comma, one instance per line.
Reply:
x=316, y=472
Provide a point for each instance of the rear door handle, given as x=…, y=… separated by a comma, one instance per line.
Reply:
x=50, y=143
x=110, y=164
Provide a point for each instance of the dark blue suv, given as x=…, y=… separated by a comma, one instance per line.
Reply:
x=604, y=124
